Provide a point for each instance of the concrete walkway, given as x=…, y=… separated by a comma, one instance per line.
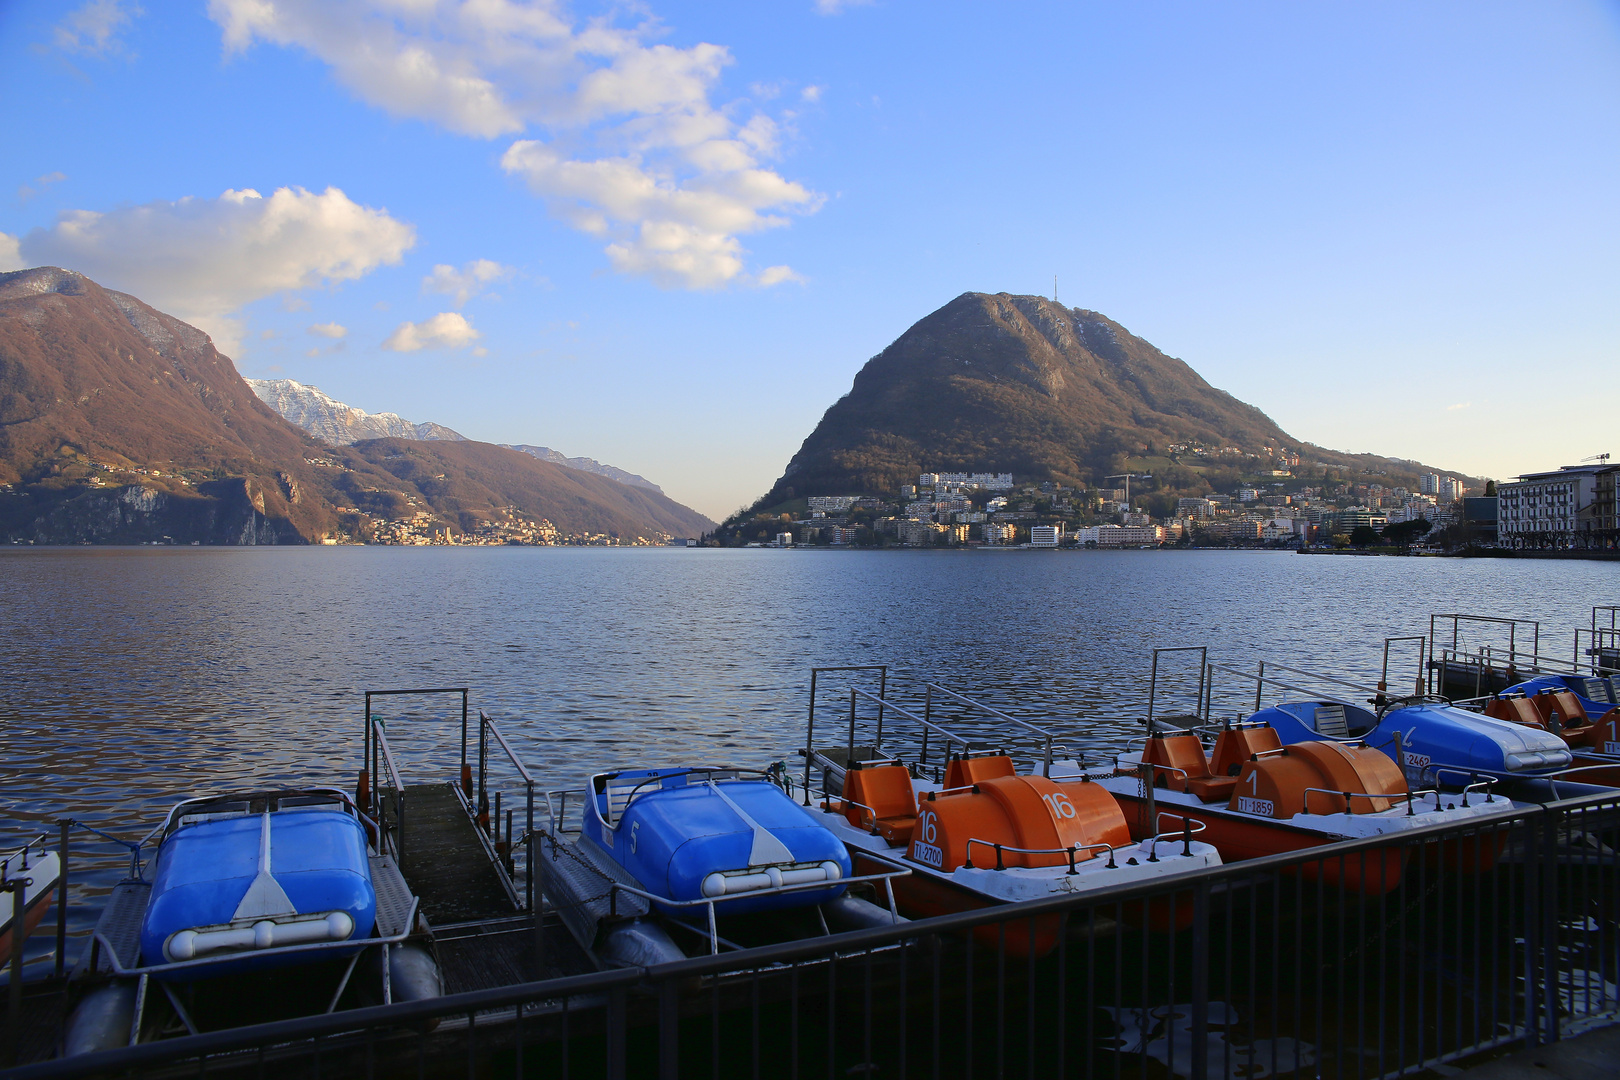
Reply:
x=1592, y=1056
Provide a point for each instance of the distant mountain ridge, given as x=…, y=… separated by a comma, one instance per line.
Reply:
x=585, y=464
x=338, y=424
x=120, y=424
x=333, y=422
x=1021, y=384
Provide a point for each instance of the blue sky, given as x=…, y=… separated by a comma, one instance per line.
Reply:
x=667, y=236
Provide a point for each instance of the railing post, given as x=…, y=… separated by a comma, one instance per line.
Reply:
x=1548, y=917
x=1200, y=982
x=616, y=1032
x=18, y=887
x=850, y=753
x=528, y=851
x=669, y=1020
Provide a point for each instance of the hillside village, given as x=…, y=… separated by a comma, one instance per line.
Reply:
x=1276, y=505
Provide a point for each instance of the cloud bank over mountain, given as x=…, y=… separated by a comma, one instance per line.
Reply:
x=639, y=154
x=204, y=259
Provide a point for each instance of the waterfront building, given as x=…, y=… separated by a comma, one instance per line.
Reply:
x=1119, y=535
x=1045, y=535
x=997, y=533
x=1571, y=507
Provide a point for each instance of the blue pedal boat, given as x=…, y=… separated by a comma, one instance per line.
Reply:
x=1598, y=696
x=1437, y=744
x=240, y=879
x=692, y=836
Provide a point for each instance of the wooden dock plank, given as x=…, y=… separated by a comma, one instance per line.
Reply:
x=445, y=863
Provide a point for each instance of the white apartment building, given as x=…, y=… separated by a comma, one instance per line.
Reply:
x=988, y=481
x=1119, y=535
x=1451, y=489
x=1572, y=507
x=1045, y=535
x=832, y=504
x=1429, y=484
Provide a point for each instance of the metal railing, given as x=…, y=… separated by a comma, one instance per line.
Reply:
x=1502, y=931
x=488, y=728
x=883, y=706
x=810, y=719
x=928, y=705
x=383, y=754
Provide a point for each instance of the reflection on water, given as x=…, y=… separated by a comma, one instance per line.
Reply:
x=135, y=677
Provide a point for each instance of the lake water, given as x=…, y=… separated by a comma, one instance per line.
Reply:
x=136, y=677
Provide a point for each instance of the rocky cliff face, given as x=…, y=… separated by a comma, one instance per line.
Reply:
x=119, y=423
x=335, y=423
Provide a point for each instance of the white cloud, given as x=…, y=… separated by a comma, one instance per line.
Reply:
x=679, y=235
x=10, y=253
x=812, y=94
x=446, y=330
x=202, y=260
x=639, y=155
x=1459, y=405
x=24, y=193
x=837, y=7
x=330, y=330
x=776, y=275
x=467, y=282
x=93, y=28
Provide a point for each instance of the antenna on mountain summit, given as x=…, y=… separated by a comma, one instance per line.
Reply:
x=1054, y=288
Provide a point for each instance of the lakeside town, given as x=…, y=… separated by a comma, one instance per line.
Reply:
x=1568, y=509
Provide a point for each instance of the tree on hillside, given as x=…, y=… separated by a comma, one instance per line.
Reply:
x=1407, y=533
x=1363, y=536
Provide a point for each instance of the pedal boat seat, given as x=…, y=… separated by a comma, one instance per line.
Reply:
x=1515, y=709
x=975, y=767
x=878, y=796
x=1183, y=767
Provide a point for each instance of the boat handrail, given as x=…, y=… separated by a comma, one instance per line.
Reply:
x=37, y=841
x=707, y=770
x=1189, y=828
x=709, y=902
x=1145, y=764
x=930, y=687
x=103, y=946
x=1305, y=802
x=1489, y=783
x=1070, y=851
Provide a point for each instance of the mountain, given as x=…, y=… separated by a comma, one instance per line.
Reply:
x=1024, y=385
x=475, y=480
x=585, y=464
x=335, y=423
x=120, y=424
